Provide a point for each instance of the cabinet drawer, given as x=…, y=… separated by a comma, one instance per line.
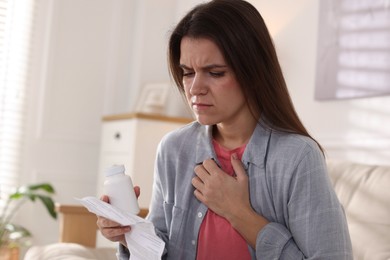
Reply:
x=117, y=136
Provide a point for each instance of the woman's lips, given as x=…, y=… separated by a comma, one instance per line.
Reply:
x=200, y=106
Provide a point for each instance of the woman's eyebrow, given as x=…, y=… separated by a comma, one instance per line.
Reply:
x=207, y=67
x=184, y=67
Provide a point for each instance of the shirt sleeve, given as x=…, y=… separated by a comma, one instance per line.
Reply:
x=122, y=253
x=316, y=226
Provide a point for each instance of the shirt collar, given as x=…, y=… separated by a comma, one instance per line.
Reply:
x=204, y=145
x=254, y=153
x=256, y=149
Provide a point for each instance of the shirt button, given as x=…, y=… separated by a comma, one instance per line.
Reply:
x=200, y=214
x=193, y=242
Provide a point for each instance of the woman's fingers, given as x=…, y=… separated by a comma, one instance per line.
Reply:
x=105, y=198
x=115, y=233
x=106, y=223
x=112, y=230
x=137, y=191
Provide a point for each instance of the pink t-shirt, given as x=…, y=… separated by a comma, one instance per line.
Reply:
x=217, y=238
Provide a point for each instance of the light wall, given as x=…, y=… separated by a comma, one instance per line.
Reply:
x=93, y=57
x=356, y=130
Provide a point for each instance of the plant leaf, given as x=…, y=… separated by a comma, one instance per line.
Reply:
x=11, y=234
x=16, y=195
x=15, y=236
x=30, y=191
x=13, y=228
x=42, y=186
x=28, y=195
x=49, y=204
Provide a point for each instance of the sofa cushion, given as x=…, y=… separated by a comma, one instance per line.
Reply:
x=59, y=251
x=364, y=192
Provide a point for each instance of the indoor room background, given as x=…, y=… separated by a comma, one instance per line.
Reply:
x=91, y=58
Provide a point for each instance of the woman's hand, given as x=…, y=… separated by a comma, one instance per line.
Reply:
x=228, y=197
x=112, y=230
x=219, y=191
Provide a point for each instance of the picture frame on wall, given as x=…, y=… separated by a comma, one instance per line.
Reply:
x=153, y=98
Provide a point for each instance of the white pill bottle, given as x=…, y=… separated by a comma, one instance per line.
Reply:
x=119, y=188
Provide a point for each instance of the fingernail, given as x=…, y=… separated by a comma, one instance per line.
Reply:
x=234, y=156
x=126, y=229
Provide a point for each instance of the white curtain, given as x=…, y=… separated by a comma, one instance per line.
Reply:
x=15, y=37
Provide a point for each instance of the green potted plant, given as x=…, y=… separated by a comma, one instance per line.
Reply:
x=13, y=236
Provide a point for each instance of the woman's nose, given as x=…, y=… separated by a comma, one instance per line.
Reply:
x=198, y=86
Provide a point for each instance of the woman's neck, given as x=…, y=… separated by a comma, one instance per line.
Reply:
x=234, y=135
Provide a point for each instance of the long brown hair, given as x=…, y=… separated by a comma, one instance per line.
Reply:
x=239, y=31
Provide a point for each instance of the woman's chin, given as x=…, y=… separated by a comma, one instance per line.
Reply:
x=205, y=120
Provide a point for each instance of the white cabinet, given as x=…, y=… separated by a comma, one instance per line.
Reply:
x=132, y=140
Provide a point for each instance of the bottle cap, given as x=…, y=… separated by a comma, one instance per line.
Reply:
x=115, y=169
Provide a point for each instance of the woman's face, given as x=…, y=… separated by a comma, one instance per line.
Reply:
x=210, y=85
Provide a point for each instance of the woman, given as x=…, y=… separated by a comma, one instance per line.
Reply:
x=246, y=180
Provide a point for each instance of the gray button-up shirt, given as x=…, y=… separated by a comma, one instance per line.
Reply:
x=288, y=185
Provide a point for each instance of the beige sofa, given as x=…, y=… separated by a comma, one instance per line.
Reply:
x=69, y=251
x=364, y=191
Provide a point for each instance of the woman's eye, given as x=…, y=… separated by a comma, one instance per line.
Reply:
x=217, y=74
x=188, y=73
